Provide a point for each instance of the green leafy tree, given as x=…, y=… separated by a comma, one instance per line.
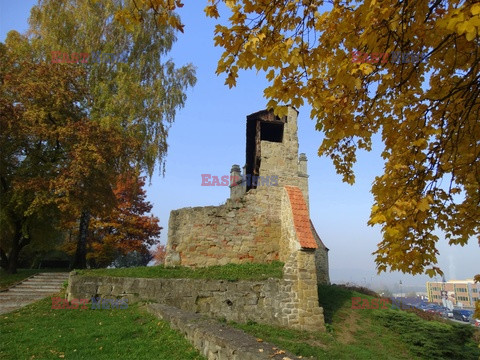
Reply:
x=137, y=96
x=31, y=119
x=55, y=161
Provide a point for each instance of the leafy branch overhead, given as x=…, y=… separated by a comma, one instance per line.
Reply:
x=426, y=111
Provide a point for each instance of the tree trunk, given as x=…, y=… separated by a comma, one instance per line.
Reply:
x=3, y=260
x=13, y=256
x=80, y=261
x=19, y=241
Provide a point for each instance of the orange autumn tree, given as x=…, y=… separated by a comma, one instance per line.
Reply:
x=126, y=228
x=159, y=254
x=426, y=107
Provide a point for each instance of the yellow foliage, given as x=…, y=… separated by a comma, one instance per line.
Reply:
x=424, y=101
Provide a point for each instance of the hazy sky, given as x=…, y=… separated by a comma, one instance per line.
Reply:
x=208, y=136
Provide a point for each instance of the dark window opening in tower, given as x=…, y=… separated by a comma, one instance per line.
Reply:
x=271, y=132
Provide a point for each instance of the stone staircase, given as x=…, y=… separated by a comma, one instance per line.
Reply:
x=30, y=290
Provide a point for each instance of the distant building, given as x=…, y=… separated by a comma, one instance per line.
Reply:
x=462, y=293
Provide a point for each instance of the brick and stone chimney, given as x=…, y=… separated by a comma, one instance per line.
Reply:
x=303, y=177
x=237, y=188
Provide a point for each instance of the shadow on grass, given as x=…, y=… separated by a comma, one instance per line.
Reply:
x=332, y=298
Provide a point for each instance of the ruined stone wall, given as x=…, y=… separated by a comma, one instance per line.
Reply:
x=242, y=230
x=239, y=301
x=281, y=159
x=290, y=302
x=301, y=310
x=289, y=242
x=321, y=261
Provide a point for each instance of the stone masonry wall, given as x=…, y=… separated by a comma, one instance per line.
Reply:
x=270, y=302
x=288, y=241
x=301, y=310
x=242, y=230
x=290, y=302
x=321, y=261
x=236, y=301
x=281, y=159
x=276, y=162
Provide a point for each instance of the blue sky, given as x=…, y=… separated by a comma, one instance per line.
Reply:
x=208, y=136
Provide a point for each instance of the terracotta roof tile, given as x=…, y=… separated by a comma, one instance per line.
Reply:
x=301, y=219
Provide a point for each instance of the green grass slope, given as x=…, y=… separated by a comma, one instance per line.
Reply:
x=230, y=272
x=38, y=332
x=372, y=333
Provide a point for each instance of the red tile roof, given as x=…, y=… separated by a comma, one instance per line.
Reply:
x=301, y=219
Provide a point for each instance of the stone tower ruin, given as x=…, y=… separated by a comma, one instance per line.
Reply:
x=267, y=215
x=265, y=219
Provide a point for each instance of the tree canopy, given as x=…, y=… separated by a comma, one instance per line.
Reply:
x=408, y=71
x=36, y=123
x=69, y=129
x=138, y=95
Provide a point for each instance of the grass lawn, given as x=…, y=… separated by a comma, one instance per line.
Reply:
x=231, y=272
x=371, y=334
x=38, y=332
x=7, y=279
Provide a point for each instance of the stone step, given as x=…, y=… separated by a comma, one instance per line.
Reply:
x=37, y=286
x=34, y=291
x=42, y=287
x=50, y=289
x=58, y=274
x=11, y=304
x=52, y=275
x=44, y=278
x=40, y=283
x=20, y=298
x=13, y=307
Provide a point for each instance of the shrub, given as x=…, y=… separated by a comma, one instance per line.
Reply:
x=132, y=259
x=431, y=339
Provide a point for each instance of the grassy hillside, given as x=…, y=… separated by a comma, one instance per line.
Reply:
x=38, y=332
x=372, y=334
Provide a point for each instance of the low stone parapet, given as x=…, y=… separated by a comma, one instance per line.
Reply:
x=217, y=341
x=269, y=301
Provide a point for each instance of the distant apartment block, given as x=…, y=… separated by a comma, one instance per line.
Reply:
x=462, y=293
